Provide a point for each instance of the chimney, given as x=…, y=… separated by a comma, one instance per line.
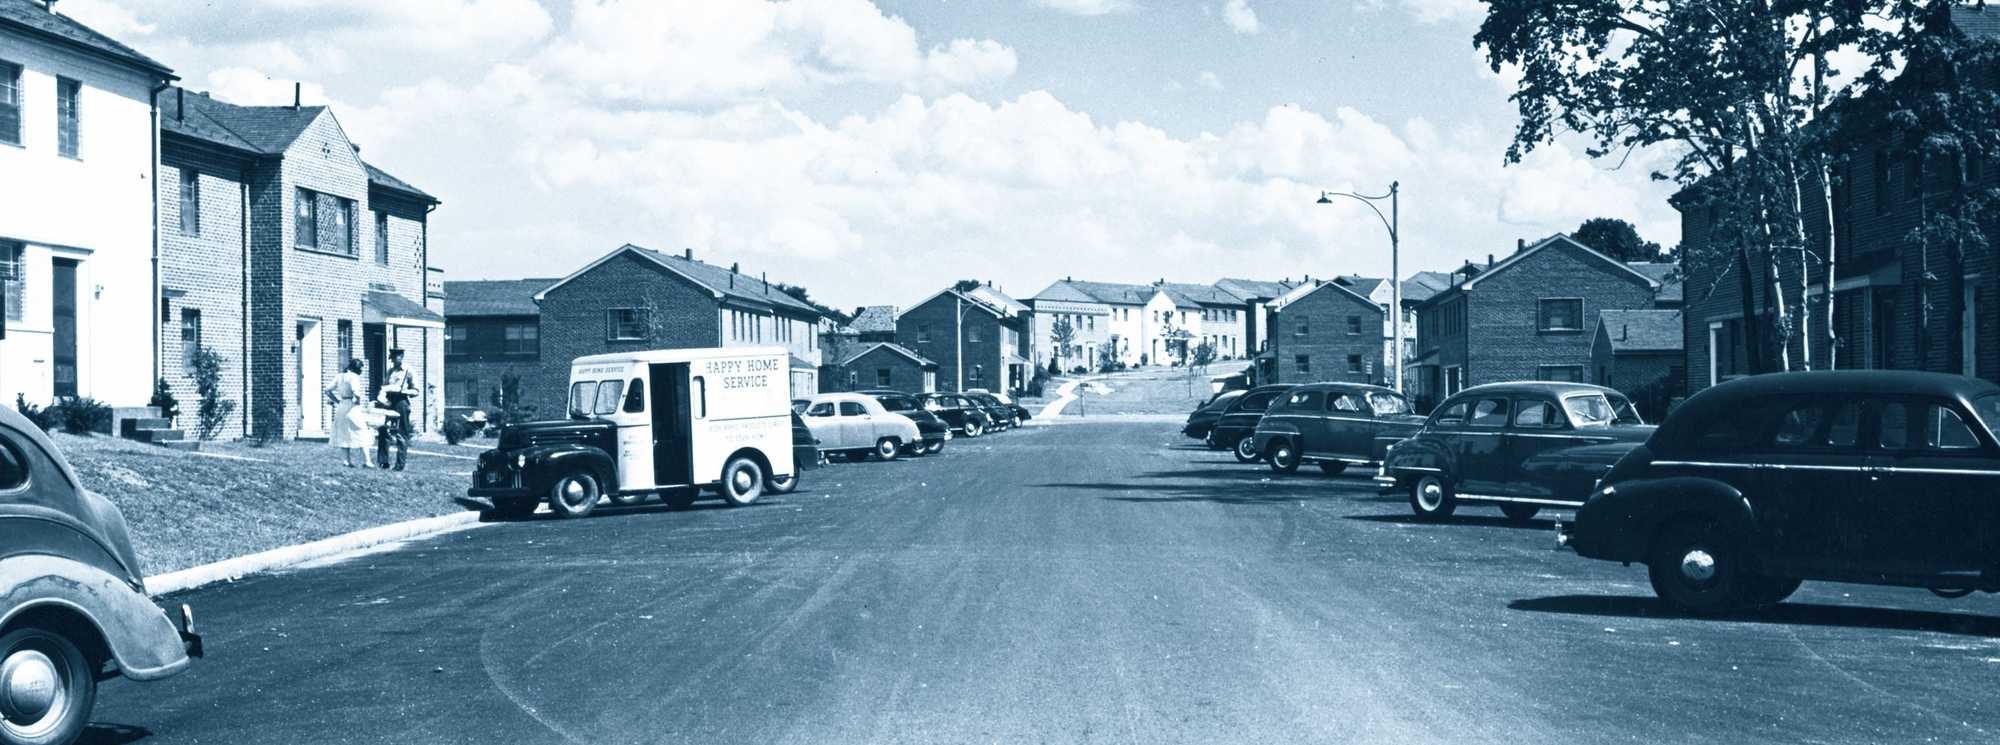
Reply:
x=298, y=94
x=180, y=104
x=1520, y=244
x=1489, y=259
x=689, y=254
x=1624, y=331
x=765, y=277
x=51, y=5
x=733, y=267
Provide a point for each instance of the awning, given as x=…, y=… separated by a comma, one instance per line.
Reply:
x=396, y=310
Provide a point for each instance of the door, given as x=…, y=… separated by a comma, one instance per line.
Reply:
x=1539, y=427
x=62, y=275
x=1806, y=475
x=857, y=429
x=825, y=427
x=375, y=349
x=1350, y=426
x=312, y=404
x=672, y=425
x=1932, y=493
x=1479, y=449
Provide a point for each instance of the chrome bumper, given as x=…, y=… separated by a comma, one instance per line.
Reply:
x=189, y=639
x=1562, y=535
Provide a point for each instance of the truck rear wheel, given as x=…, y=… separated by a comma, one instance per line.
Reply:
x=742, y=481
x=574, y=494
x=47, y=687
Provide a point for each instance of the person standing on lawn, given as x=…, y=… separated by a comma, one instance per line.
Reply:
x=397, y=387
x=348, y=431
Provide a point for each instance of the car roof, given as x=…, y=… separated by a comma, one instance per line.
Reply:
x=1912, y=382
x=1274, y=387
x=1340, y=386
x=1550, y=387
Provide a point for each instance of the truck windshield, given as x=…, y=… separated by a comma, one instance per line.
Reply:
x=1387, y=403
x=595, y=398
x=1600, y=410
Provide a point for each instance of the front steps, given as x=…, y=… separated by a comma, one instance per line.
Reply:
x=145, y=424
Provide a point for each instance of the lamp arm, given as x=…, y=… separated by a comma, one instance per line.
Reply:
x=1370, y=201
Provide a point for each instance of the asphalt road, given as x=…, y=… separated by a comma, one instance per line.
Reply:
x=1074, y=583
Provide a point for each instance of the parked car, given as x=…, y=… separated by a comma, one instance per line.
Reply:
x=668, y=422
x=932, y=428
x=75, y=609
x=1334, y=425
x=1201, y=422
x=1021, y=413
x=805, y=455
x=856, y=425
x=1002, y=415
x=1751, y=486
x=1523, y=446
x=1233, y=430
x=965, y=416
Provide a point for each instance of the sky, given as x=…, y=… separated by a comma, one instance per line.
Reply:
x=875, y=151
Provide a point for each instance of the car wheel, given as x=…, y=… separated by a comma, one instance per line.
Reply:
x=514, y=507
x=743, y=481
x=972, y=429
x=1696, y=568
x=1519, y=513
x=47, y=687
x=934, y=447
x=887, y=449
x=574, y=494
x=1284, y=457
x=1431, y=498
x=680, y=498
x=1773, y=590
x=1333, y=469
x=1246, y=451
x=782, y=484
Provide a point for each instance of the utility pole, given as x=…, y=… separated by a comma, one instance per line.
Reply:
x=958, y=331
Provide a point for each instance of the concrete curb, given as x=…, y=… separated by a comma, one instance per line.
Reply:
x=278, y=558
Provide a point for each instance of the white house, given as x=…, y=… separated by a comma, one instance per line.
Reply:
x=77, y=249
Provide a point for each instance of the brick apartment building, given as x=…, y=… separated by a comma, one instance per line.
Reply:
x=286, y=254
x=1532, y=316
x=974, y=338
x=492, y=332
x=1323, y=331
x=1252, y=318
x=887, y=365
x=636, y=298
x=1638, y=351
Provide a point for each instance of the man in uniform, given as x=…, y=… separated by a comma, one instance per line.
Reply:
x=397, y=388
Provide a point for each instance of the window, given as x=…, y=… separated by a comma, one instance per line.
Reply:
x=823, y=408
x=609, y=393
x=1799, y=425
x=1354, y=363
x=1564, y=373
x=972, y=334
x=13, y=467
x=1913, y=176
x=522, y=339
x=468, y=391
x=1350, y=402
x=190, y=202
x=625, y=324
x=579, y=398
x=342, y=229
x=1305, y=327
x=882, y=376
x=344, y=339
x=1537, y=415
x=635, y=397
x=10, y=103
x=977, y=372
x=1452, y=415
x=1600, y=410
x=454, y=339
x=1304, y=363
x=190, y=337
x=1385, y=404
x=1988, y=408
x=14, y=275
x=1308, y=400
x=1562, y=314
x=1490, y=412
x=68, y=98
x=1354, y=325
x=850, y=408
x=924, y=334
x=1946, y=431
x=305, y=219
x=381, y=237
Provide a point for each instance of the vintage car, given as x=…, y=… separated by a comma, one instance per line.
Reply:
x=1202, y=420
x=1751, y=486
x=670, y=422
x=805, y=455
x=1523, y=446
x=1002, y=416
x=75, y=609
x=1233, y=430
x=1334, y=425
x=930, y=426
x=965, y=416
x=855, y=425
x=1021, y=413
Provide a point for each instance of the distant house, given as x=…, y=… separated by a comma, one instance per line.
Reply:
x=1531, y=316
x=887, y=365
x=875, y=323
x=975, y=338
x=1323, y=331
x=1156, y=323
x=492, y=333
x=635, y=298
x=1252, y=318
x=1637, y=350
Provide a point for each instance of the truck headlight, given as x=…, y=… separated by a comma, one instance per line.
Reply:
x=521, y=461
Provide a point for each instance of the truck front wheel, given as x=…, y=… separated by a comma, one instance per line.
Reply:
x=574, y=494
x=742, y=481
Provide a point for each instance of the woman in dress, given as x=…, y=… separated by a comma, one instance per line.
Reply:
x=348, y=433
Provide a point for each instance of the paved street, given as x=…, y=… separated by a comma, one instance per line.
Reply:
x=1073, y=583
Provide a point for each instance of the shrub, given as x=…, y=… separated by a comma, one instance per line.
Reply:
x=269, y=422
x=1035, y=388
x=82, y=415
x=456, y=429
x=163, y=399
x=43, y=418
x=213, y=411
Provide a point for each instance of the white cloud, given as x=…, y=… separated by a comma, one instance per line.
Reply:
x=335, y=31
x=1087, y=7
x=1240, y=17
x=1209, y=79
x=1440, y=11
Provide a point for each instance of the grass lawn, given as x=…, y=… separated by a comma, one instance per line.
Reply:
x=187, y=509
x=1146, y=391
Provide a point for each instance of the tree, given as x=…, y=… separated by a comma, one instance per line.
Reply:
x=967, y=285
x=213, y=412
x=1618, y=239
x=1062, y=334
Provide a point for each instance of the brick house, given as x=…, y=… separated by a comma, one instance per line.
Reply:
x=1640, y=352
x=887, y=365
x=492, y=332
x=1531, y=316
x=1252, y=316
x=286, y=254
x=1891, y=299
x=635, y=298
x=76, y=211
x=1323, y=331
x=976, y=342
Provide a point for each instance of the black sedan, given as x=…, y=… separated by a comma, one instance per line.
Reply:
x=933, y=428
x=1239, y=421
x=1333, y=425
x=1523, y=446
x=1201, y=422
x=1873, y=477
x=1002, y=415
x=963, y=415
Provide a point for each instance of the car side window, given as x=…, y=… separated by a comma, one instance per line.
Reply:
x=850, y=408
x=1798, y=425
x=1258, y=402
x=1452, y=416
x=1945, y=431
x=1305, y=400
x=1537, y=415
x=1491, y=412
x=1894, y=429
x=635, y=397
x=820, y=409
x=1346, y=402
x=13, y=466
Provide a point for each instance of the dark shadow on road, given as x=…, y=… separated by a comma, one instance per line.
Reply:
x=1790, y=614
x=609, y=510
x=112, y=734
x=1151, y=494
x=1484, y=521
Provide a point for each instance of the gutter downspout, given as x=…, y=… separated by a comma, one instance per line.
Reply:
x=153, y=116
x=958, y=331
x=243, y=362
x=424, y=286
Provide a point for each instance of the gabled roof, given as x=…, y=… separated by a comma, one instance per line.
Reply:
x=895, y=348
x=967, y=299
x=1648, y=330
x=257, y=130
x=1205, y=295
x=381, y=178
x=1246, y=290
x=1302, y=291
x=721, y=282
x=498, y=297
x=990, y=296
x=1666, y=274
x=1363, y=286
x=875, y=319
x=1113, y=293
x=1557, y=239
x=38, y=19
x=1066, y=291
x=1180, y=299
x=1422, y=285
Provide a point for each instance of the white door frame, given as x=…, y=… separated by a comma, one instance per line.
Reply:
x=312, y=337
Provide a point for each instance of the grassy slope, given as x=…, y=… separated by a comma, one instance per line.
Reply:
x=1148, y=391
x=187, y=510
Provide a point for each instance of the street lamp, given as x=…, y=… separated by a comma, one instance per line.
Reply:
x=1389, y=221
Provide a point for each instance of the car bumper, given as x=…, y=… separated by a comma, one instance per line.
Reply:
x=502, y=492
x=190, y=641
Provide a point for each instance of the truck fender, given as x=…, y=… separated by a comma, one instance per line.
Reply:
x=1620, y=525
x=554, y=459
x=135, y=632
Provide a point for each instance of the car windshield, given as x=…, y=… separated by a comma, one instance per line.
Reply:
x=1600, y=410
x=1988, y=409
x=1385, y=404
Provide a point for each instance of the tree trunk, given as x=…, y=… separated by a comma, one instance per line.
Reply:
x=1827, y=261
x=1753, y=336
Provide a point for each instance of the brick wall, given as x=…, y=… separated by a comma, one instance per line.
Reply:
x=1328, y=344
x=939, y=315
x=207, y=267
x=1505, y=341
x=573, y=321
x=904, y=373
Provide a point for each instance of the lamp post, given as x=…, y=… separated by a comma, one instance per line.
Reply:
x=1391, y=222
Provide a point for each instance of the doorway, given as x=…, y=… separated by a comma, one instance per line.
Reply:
x=311, y=405
x=62, y=274
x=673, y=450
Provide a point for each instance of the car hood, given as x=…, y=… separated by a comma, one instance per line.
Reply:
x=925, y=420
